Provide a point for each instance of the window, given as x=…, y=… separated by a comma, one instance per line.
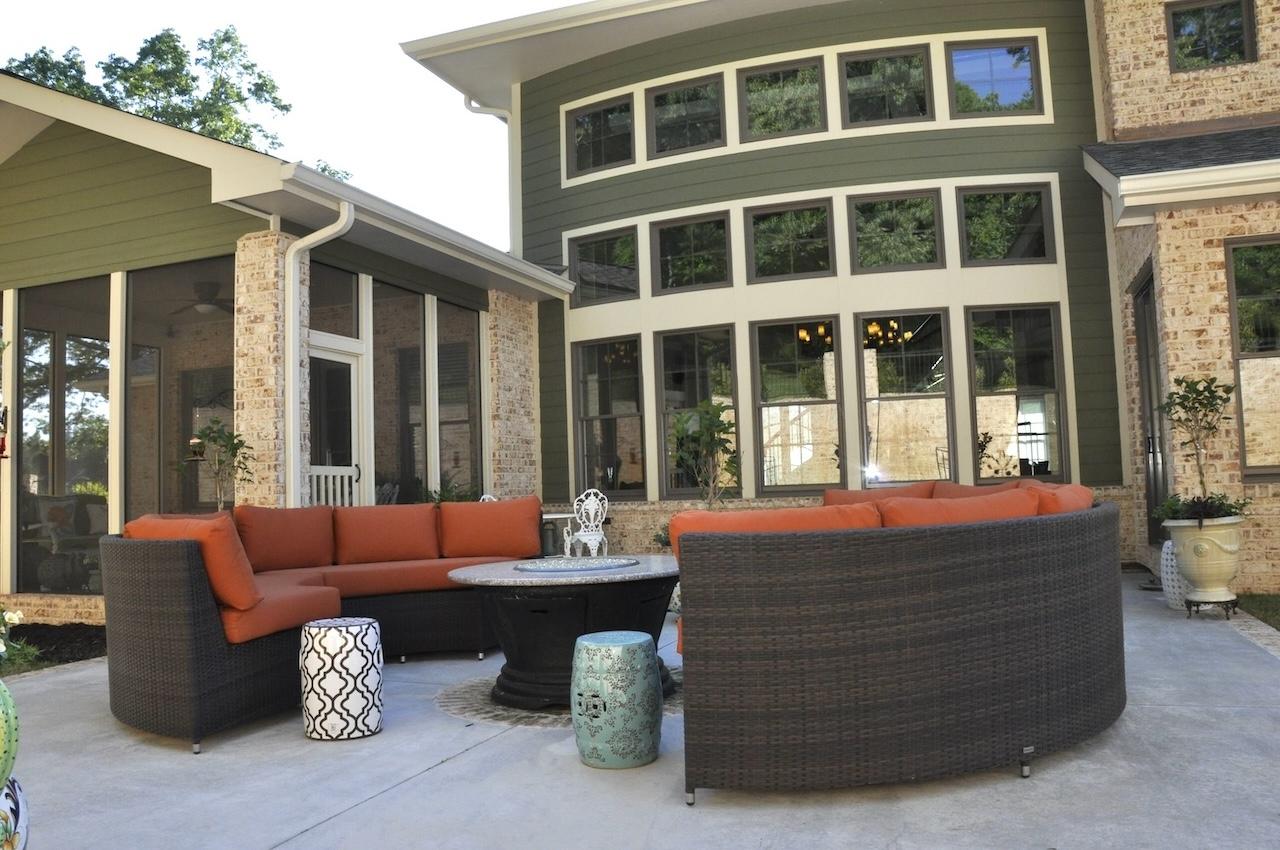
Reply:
x=1017, y=408
x=1253, y=270
x=690, y=254
x=695, y=366
x=399, y=414
x=782, y=100
x=1005, y=226
x=333, y=301
x=994, y=78
x=797, y=386
x=789, y=242
x=1208, y=34
x=906, y=385
x=599, y=136
x=685, y=117
x=886, y=87
x=604, y=267
x=458, y=373
x=610, y=416
x=896, y=232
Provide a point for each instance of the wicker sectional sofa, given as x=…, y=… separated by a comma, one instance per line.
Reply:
x=824, y=659
x=204, y=613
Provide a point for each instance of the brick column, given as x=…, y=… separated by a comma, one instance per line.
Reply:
x=513, y=395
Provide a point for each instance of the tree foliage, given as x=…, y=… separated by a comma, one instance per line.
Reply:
x=1196, y=407
x=702, y=444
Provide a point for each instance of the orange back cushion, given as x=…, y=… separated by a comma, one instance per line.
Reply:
x=508, y=527
x=827, y=518
x=920, y=490
x=948, y=490
x=230, y=575
x=1011, y=504
x=379, y=533
x=286, y=538
x=1064, y=499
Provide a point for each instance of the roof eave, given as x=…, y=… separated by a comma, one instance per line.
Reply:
x=1136, y=198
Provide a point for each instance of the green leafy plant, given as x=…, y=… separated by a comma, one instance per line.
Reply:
x=1196, y=408
x=13, y=652
x=452, y=491
x=1213, y=506
x=702, y=441
x=662, y=536
x=228, y=457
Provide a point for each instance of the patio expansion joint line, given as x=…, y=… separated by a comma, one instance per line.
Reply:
x=391, y=787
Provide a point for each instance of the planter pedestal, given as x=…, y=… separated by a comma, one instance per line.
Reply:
x=1208, y=556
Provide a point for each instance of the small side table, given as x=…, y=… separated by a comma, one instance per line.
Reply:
x=617, y=699
x=341, y=665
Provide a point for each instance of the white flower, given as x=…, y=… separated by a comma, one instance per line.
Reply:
x=3, y=648
x=13, y=617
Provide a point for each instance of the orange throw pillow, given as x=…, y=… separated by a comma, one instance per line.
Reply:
x=230, y=575
x=828, y=518
x=1064, y=499
x=1011, y=504
x=949, y=490
x=377, y=533
x=286, y=538
x=920, y=490
x=509, y=528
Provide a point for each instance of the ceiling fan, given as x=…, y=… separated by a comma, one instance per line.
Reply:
x=206, y=299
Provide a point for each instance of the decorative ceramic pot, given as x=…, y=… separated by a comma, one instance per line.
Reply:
x=14, y=825
x=8, y=733
x=1208, y=555
x=616, y=699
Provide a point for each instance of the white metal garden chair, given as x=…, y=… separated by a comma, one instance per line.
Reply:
x=589, y=511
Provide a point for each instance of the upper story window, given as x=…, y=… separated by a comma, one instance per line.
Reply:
x=994, y=78
x=886, y=86
x=1253, y=270
x=782, y=100
x=790, y=241
x=600, y=136
x=1005, y=226
x=604, y=267
x=1209, y=33
x=691, y=253
x=686, y=116
x=896, y=232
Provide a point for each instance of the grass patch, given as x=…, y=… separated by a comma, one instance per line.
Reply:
x=20, y=657
x=1264, y=606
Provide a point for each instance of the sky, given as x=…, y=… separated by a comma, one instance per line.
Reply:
x=359, y=102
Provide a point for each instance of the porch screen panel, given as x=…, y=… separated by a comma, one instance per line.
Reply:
x=399, y=438
x=458, y=362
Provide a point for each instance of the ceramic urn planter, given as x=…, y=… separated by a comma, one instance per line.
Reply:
x=1208, y=555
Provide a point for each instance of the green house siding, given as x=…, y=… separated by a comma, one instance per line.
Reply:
x=549, y=209
x=551, y=393
x=74, y=203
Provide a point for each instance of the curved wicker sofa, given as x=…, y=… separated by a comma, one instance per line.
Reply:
x=821, y=660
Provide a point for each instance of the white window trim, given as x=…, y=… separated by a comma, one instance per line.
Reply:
x=9, y=468
x=829, y=55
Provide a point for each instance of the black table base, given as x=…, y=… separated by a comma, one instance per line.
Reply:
x=537, y=627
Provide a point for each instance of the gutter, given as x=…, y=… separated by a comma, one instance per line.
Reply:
x=293, y=346
x=503, y=115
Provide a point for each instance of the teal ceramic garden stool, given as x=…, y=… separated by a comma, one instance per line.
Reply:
x=616, y=699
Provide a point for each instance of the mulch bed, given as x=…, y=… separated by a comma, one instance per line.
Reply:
x=63, y=644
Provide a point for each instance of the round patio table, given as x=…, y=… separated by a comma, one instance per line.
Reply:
x=538, y=611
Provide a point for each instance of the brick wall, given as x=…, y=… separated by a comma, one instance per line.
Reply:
x=513, y=402
x=56, y=608
x=1143, y=92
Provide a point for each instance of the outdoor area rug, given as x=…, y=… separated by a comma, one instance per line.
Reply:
x=470, y=700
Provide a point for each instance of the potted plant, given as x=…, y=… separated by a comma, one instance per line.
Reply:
x=702, y=448
x=1205, y=528
x=228, y=456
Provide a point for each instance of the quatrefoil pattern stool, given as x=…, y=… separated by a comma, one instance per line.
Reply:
x=341, y=664
x=616, y=699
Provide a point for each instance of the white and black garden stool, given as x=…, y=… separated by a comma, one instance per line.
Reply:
x=341, y=664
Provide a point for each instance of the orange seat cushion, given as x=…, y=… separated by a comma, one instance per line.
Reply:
x=509, y=527
x=949, y=490
x=385, y=533
x=398, y=576
x=828, y=518
x=1064, y=499
x=1010, y=504
x=920, y=490
x=286, y=538
x=230, y=575
x=1035, y=482
x=281, y=608
x=312, y=577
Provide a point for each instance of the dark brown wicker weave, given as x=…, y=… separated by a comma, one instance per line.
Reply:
x=833, y=659
x=172, y=672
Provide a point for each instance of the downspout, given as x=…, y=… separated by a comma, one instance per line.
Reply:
x=501, y=114
x=293, y=347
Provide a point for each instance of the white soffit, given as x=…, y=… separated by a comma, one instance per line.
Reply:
x=1136, y=198
x=484, y=62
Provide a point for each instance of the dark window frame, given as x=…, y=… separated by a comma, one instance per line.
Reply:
x=655, y=274
x=945, y=314
x=745, y=136
x=1248, y=15
x=575, y=301
x=940, y=239
x=750, y=239
x=1064, y=420
x=579, y=443
x=1046, y=215
x=571, y=169
x=666, y=492
x=1037, y=76
x=1258, y=473
x=931, y=111
x=757, y=407
x=651, y=126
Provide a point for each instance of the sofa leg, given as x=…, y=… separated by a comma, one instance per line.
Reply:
x=402, y=661
x=195, y=748
x=1027, y=753
x=688, y=798
x=480, y=655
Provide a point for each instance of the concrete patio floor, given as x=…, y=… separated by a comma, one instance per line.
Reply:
x=1193, y=762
